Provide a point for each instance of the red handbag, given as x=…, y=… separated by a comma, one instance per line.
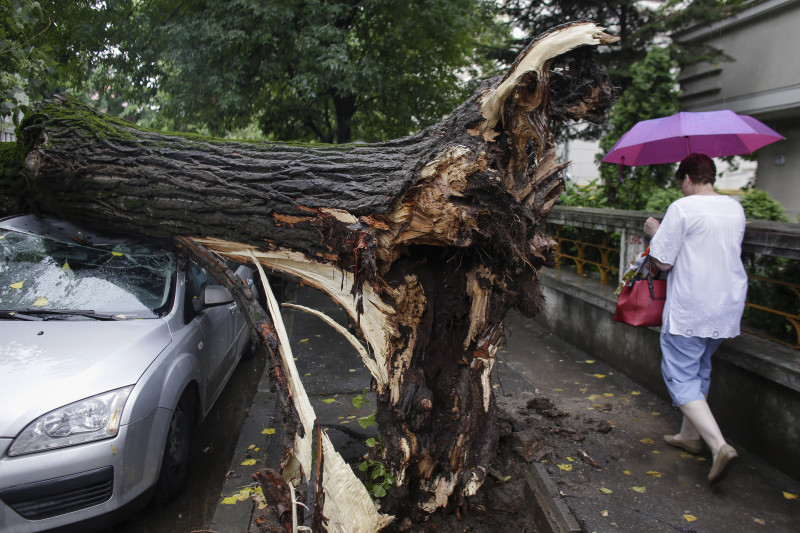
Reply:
x=641, y=301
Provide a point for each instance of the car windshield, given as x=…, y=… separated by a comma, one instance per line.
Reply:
x=41, y=276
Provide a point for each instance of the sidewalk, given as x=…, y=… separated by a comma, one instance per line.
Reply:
x=640, y=483
x=585, y=413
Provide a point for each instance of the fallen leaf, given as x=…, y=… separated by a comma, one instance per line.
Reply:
x=790, y=496
x=306, y=374
x=117, y=254
x=640, y=489
x=40, y=302
x=268, y=431
x=329, y=400
x=570, y=459
x=686, y=455
x=565, y=468
x=599, y=376
x=252, y=446
x=608, y=394
x=655, y=413
x=352, y=417
x=656, y=452
x=506, y=478
x=353, y=370
x=559, y=390
x=648, y=440
x=654, y=473
x=590, y=361
x=240, y=496
x=113, y=450
x=635, y=393
x=495, y=386
x=760, y=521
x=593, y=397
x=248, y=462
x=604, y=513
x=690, y=518
x=605, y=490
x=304, y=340
x=626, y=472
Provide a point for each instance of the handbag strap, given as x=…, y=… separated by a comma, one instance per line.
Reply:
x=649, y=276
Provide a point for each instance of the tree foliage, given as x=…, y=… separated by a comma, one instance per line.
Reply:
x=639, y=25
x=24, y=63
x=307, y=70
x=653, y=93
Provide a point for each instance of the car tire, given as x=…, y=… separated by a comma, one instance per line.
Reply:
x=175, y=461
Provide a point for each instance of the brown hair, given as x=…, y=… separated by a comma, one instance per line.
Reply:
x=699, y=167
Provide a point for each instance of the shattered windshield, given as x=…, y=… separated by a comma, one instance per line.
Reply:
x=40, y=274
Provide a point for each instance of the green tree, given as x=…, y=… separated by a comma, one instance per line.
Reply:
x=24, y=62
x=653, y=93
x=638, y=24
x=307, y=70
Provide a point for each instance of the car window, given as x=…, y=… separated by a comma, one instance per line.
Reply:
x=126, y=280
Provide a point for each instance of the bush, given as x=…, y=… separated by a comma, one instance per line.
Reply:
x=661, y=198
x=589, y=195
x=759, y=205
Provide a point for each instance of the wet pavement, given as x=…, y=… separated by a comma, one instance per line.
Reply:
x=612, y=473
x=640, y=483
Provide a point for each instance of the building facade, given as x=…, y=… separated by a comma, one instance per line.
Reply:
x=762, y=79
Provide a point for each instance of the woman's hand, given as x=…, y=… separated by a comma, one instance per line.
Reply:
x=651, y=226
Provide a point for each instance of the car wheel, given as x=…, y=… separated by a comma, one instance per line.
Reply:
x=175, y=462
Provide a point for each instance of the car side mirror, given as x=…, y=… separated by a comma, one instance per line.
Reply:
x=213, y=295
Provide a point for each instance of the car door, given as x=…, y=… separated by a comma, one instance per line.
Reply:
x=217, y=327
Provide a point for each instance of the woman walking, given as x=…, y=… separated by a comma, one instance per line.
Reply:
x=699, y=242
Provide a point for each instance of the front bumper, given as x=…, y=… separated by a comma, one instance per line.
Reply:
x=61, y=495
x=57, y=488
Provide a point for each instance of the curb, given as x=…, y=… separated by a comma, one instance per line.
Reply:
x=551, y=514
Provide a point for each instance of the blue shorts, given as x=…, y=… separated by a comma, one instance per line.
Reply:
x=686, y=366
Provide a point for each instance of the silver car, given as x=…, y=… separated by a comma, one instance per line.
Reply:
x=111, y=352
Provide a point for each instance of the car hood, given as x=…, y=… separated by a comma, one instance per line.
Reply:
x=45, y=365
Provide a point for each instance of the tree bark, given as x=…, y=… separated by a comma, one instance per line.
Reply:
x=426, y=241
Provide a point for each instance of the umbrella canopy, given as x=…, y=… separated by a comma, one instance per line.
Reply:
x=670, y=139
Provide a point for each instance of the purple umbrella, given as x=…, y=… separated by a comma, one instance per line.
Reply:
x=670, y=139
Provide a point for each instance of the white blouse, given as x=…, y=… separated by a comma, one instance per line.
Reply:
x=701, y=237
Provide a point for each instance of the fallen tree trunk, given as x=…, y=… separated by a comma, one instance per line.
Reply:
x=426, y=241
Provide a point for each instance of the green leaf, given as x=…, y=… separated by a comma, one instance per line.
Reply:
x=358, y=401
x=378, y=491
x=366, y=421
x=371, y=442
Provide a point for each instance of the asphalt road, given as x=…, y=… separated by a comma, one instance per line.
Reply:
x=212, y=448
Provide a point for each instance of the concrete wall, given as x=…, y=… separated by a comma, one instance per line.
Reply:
x=779, y=167
x=755, y=391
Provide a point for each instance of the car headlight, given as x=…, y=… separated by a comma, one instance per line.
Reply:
x=91, y=419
